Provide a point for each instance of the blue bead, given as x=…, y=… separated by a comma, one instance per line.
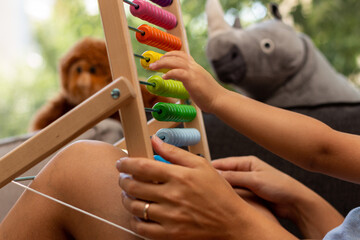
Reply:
x=160, y=159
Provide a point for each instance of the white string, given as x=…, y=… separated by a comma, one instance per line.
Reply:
x=78, y=209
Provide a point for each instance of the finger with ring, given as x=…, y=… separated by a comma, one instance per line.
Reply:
x=145, y=212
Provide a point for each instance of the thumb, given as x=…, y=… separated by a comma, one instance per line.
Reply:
x=174, y=154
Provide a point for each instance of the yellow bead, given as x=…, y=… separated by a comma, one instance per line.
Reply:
x=151, y=57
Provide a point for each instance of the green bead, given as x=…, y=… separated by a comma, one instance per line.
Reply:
x=167, y=88
x=171, y=112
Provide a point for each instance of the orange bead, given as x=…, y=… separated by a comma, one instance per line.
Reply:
x=157, y=38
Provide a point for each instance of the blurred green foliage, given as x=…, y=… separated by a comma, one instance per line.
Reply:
x=331, y=24
x=333, y=27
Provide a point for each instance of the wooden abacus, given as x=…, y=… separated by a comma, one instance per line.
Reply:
x=122, y=94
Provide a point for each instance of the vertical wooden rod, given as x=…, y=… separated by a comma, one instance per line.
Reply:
x=122, y=63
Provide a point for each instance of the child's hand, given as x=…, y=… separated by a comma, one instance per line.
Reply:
x=202, y=87
x=288, y=197
x=265, y=181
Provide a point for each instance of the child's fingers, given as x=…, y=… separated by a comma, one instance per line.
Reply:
x=180, y=54
x=177, y=74
x=234, y=164
x=240, y=179
x=169, y=63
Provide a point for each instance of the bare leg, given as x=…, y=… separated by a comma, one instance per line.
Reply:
x=83, y=175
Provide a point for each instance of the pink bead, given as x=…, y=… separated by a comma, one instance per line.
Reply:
x=153, y=14
x=163, y=3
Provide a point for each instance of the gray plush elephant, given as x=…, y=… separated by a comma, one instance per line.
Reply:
x=273, y=63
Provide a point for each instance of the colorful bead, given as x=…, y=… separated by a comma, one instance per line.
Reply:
x=163, y=3
x=171, y=112
x=179, y=137
x=157, y=38
x=151, y=57
x=153, y=14
x=167, y=88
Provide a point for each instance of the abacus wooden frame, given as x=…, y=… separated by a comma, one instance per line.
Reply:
x=104, y=103
x=122, y=63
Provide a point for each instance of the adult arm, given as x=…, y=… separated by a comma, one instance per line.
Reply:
x=288, y=198
x=188, y=200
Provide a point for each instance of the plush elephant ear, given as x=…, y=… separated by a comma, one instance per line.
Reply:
x=237, y=23
x=215, y=17
x=275, y=11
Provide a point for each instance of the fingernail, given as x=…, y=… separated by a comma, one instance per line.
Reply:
x=152, y=65
x=125, y=176
x=164, y=76
x=126, y=195
x=118, y=162
x=157, y=140
x=123, y=194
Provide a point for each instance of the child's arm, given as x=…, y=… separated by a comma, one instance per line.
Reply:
x=295, y=137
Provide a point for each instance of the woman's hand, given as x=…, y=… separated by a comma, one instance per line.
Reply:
x=187, y=200
x=288, y=197
x=202, y=87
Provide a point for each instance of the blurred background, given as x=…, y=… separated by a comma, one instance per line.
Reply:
x=36, y=33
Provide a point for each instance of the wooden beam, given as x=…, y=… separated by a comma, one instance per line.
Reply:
x=122, y=63
x=98, y=107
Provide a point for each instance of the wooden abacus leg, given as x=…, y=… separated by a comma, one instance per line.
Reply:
x=83, y=175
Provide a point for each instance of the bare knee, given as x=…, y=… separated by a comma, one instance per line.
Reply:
x=84, y=175
x=77, y=165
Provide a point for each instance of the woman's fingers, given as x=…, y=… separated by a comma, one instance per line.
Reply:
x=140, y=190
x=152, y=221
x=144, y=169
x=153, y=212
x=149, y=230
x=175, y=155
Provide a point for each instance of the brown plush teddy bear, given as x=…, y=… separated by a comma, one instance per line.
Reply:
x=84, y=70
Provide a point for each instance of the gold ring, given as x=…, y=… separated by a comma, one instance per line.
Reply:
x=145, y=211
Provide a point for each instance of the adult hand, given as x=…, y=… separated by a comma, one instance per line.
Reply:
x=288, y=197
x=188, y=200
x=202, y=87
x=265, y=181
